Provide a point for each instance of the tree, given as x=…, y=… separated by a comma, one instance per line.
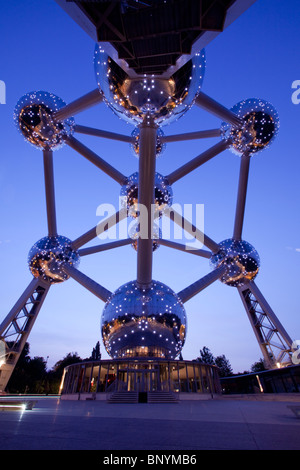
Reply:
x=206, y=356
x=55, y=375
x=225, y=369
x=221, y=362
x=258, y=366
x=96, y=353
x=29, y=375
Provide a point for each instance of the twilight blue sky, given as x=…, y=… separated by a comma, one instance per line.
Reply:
x=43, y=49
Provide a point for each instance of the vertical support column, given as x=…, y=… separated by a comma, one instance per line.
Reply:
x=147, y=163
x=241, y=197
x=50, y=192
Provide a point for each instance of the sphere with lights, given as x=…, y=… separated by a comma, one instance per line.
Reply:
x=47, y=256
x=134, y=234
x=241, y=260
x=163, y=195
x=135, y=146
x=132, y=98
x=34, y=118
x=140, y=322
x=260, y=125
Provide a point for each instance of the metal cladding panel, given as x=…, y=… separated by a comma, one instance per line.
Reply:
x=164, y=28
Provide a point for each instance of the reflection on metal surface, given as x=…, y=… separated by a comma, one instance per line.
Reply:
x=134, y=234
x=2, y=353
x=132, y=98
x=48, y=254
x=260, y=126
x=144, y=322
x=33, y=116
x=163, y=195
x=241, y=259
x=160, y=146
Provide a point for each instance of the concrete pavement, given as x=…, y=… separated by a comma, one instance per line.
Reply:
x=218, y=424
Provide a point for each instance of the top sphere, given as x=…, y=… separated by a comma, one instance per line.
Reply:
x=33, y=116
x=259, y=128
x=166, y=99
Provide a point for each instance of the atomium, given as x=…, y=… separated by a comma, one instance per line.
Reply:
x=33, y=116
x=146, y=318
x=260, y=126
x=47, y=256
x=163, y=195
x=144, y=322
x=133, y=98
x=241, y=260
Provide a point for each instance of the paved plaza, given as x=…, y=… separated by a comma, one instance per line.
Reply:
x=218, y=424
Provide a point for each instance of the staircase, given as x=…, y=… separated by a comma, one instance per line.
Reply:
x=162, y=397
x=123, y=397
x=147, y=397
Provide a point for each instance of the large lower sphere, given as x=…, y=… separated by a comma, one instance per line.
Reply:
x=46, y=257
x=241, y=260
x=144, y=322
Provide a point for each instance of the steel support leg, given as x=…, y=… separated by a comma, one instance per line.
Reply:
x=16, y=327
x=274, y=342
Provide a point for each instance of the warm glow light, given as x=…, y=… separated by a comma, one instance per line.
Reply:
x=260, y=385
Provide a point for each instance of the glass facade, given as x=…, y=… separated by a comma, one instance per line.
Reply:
x=141, y=376
x=285, y=380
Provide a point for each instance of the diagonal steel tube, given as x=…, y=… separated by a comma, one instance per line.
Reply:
x=84, y=102
x=103, y=226
x=96, y=160
x=105, y=134
x=194, y=289
x=96, y=289
x=191, y=136
x=241, y=197
x=191, y=229
x=213, y=107
x=198, y=161
x=50, y=192
x=147, y=164
x=36, y=282
x=270, y=313
x=181, y=247
x=104, y=247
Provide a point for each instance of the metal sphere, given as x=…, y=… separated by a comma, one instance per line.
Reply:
x=33, y=116
x=134, y=235
x=260, y=126
x=166, y=99
x=144, y=322
x=163, y=195
x=160, y=146
x=47, y=255
x=241, y=260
